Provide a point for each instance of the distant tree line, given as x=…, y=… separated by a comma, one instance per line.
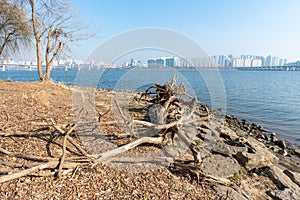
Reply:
x=48, y=25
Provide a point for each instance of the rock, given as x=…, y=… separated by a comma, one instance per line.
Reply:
x=280, y=178
x=208, y=135
x=273, y=134
x=228, y=133
x=268, y=139
x=244, y=122
x=283, y=152
x=230, y=193
x=286, y=194
x=290, y=162
x=281, y=144
x=246, y=128
x=222, y=148
x=261, y=128
x=287, y=189
x=237, y=149
x=253, y=125
x=260, y=156
x=294, y=176
x=262, y=136
x=220, y=166
x=297, y=152
x=232, y=117
x=226, y=150
x=273, y=137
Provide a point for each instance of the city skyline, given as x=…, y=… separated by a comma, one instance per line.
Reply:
x=220, y=27
x=211, y=61
x=243, y=60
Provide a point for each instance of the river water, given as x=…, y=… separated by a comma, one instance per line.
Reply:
x=268, y=98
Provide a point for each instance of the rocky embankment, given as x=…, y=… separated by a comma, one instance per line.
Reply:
x=243, y=148
x=225, y=158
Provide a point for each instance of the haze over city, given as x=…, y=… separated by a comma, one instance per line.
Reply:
x=256, y=27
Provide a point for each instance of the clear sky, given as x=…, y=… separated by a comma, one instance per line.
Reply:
x=256, y=27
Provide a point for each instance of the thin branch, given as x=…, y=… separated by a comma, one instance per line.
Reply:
x=62, y=160
x=25, y=172
x=72, y=141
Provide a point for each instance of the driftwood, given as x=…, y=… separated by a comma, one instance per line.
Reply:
x=105, y=157
x=43, y=163
x=25, y=172
x=172, y=109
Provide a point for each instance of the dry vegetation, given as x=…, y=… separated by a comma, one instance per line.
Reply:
x=37, y=132
x=60, y=142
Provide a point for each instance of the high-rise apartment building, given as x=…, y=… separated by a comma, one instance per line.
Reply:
x=268, y=61
x=275, y=61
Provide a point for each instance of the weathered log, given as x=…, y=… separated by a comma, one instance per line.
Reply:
x=107, y=156
x=25, y=172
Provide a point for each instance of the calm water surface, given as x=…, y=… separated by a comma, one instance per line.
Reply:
x=268, y=98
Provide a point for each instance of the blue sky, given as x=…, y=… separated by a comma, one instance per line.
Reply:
x=259, y=27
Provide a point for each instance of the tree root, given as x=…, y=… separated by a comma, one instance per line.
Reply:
x=169, y=119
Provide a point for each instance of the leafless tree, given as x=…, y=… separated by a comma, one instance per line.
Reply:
x=14, y=27
x=54, y=27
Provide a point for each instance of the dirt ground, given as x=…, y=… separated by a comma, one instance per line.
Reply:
x=28, y=108
x=27, y=111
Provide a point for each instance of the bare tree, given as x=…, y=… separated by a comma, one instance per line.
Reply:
x=54, y=27
x=14, y=28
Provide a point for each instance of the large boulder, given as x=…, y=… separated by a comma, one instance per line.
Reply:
x=286, y=194
x=287, y=186
x=227, y=150
x=257, y=155
x=294, y=176
x=221, y=166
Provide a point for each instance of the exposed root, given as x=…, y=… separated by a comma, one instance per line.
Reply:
x=169, y=116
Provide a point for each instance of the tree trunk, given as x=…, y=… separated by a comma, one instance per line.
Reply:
x=48, y=64
x=37, y=40
x=39, y=61
x=6, y=40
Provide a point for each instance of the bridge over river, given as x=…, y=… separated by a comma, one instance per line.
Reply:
x=271, y=68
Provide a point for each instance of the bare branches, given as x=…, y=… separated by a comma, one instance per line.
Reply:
x=170, y=121
x=62, y=159
x=25, y=172
x=47, y=162
x=54, y=26
x=14, y=27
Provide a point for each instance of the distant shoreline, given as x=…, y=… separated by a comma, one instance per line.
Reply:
x=273, y=68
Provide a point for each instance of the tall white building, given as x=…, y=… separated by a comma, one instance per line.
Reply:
x=268, y=61
x=222, y=60
x=275, y=61
x=282, y=62
x=238, y=62
x=256, y=63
